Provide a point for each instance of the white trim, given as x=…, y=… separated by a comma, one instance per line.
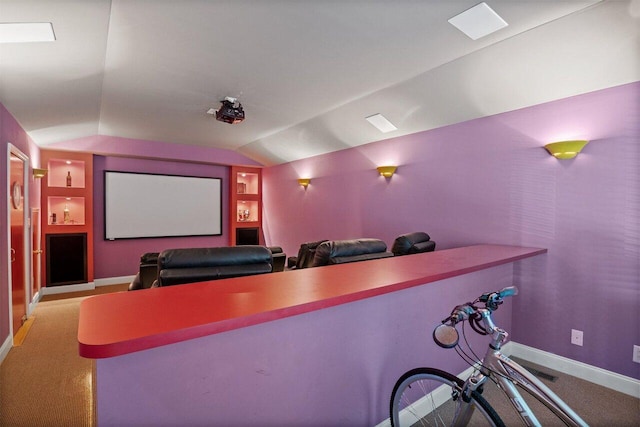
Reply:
x=602, y=377
x=8, y=271
x=114, y=280
x=6, y=346
x=35, y=272
x=50, y=290
x=26, y=217
x=34, y=303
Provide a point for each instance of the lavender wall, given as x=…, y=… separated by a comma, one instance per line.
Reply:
x=12, y=132
x=490, y=181
x=121, y=257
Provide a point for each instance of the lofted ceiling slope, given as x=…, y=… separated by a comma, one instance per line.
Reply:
x=307, y=72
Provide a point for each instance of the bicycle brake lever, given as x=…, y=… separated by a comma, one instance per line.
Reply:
x=461, y=312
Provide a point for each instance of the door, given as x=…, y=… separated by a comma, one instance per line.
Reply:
x=18, y=227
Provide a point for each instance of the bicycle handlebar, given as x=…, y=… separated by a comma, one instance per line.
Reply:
x=491, y=302
x=446, y=335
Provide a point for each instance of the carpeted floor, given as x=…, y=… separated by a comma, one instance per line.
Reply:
x=597, y=406
x=44, y=382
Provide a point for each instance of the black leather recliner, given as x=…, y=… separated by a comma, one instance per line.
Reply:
x=413, y=243
x=179, y=266
x=305, y=255
x=148, y=272
x=279, y=258
x=343, y=251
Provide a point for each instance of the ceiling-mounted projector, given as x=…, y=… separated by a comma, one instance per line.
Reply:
x=230, y=111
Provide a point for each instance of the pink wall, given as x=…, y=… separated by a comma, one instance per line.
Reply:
x=12, y=132
x=490, y=181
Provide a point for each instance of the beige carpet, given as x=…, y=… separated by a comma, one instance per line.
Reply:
x=44, y=382
x=597, y=406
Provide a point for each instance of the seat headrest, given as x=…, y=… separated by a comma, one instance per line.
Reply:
x=345, y=248
x=403, y=243
x=306, y=253
x=212, y=257
x=149, y=258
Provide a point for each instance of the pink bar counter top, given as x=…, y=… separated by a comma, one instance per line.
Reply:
x=126, y=322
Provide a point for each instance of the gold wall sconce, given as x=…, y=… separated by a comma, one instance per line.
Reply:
x=565, y=149
x=304, y=182
x=387, y=171
x=39, y=173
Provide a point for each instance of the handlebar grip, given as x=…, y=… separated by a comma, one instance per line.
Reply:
x=508, y=292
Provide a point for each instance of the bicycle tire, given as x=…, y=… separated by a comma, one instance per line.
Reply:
x=412, y=402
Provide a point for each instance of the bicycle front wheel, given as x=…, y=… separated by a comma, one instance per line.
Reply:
x=431, y=397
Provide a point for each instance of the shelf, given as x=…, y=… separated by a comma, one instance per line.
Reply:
x=247, y=211
x=247, y=183
x=67, y=210
x=245, y=207
x=77, y=198
x=65, y=173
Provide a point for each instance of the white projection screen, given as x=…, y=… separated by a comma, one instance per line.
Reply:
x=140, y=205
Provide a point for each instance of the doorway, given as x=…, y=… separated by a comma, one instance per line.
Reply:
x=19, y=244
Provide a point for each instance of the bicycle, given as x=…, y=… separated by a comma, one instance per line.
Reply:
x=428, y=396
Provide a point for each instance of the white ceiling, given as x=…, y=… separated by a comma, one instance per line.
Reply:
x=307, y=72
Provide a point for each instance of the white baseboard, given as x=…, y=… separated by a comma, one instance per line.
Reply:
x=34, y=302
x=6, y=346
x=602, y=377
x=113, y=280
x=50, y=290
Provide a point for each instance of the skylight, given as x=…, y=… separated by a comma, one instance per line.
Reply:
x=479, y=21
x=381, y=122
x=26, y=32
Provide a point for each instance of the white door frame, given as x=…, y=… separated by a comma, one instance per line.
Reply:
x=13, y=150
x=36, y=270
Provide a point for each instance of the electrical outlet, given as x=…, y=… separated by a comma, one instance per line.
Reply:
x=576, y=337
x=636, y=353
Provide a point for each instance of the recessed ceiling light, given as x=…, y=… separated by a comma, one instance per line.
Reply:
x=478, y=21
x=381, y=122
x=25, y=32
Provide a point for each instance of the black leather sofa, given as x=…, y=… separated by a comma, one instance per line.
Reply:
x=353, y=250
x=413, y=243
x=148, y=272
x=179, y=266
x=305, y=255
